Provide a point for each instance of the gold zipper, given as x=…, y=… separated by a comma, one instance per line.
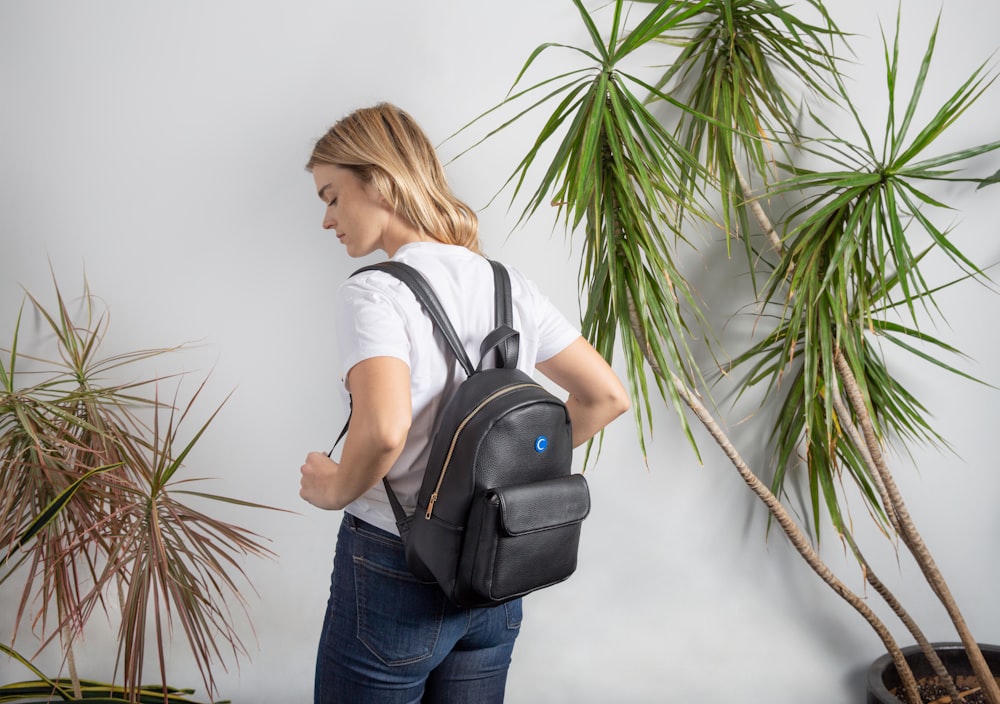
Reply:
x=454, y=440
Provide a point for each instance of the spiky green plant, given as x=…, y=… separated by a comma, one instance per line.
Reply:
x=835, y=266
x=848, y=278
x=618, y=173
x=92, y=512
x=848, y=266
x=733, y=66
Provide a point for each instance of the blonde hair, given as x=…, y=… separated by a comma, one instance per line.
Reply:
x=386, y=148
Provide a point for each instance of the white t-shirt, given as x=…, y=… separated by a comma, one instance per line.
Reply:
x=376, y=315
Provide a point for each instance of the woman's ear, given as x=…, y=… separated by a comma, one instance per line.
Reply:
x=383, y=190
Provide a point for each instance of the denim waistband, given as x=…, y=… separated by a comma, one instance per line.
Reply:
x=357, y=524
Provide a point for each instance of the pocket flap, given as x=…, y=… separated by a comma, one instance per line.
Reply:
x=527, y=508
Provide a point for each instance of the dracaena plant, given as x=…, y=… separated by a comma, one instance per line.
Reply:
x=747, y=90
x=96, y=510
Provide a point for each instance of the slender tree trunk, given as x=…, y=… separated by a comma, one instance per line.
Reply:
x=758, y=212
x=926, y=648
x=911, y=537
x=918, y=635
x=795, y=535
x=859, y=443
x=892, y=499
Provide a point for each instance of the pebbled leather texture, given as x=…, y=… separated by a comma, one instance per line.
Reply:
x=522, y=538
x=528, y=508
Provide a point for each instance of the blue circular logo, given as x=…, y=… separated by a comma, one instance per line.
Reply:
x=541, y=443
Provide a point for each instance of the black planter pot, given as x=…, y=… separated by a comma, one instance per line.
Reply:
x=882, y=676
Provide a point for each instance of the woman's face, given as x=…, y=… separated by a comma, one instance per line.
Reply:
x=359, y=216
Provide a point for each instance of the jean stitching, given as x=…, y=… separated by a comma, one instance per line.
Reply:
x=513, y=619
x=387, y=571
x=365, y=636
x=371, y=535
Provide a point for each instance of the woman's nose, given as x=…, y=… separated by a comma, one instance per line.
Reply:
x=329, y=223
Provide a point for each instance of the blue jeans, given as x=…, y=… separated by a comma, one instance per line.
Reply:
x=391, y=639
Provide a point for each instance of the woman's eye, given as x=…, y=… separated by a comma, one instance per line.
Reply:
x=332, y=203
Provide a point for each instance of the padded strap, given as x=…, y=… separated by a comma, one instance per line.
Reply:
x=505, y=339
x=425, y=294
x=501, y=295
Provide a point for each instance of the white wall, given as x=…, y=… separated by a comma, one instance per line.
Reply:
x=159, y=147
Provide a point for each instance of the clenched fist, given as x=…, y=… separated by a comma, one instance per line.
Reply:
x=318, y=481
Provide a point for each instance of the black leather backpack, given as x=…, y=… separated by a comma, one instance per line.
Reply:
x=499, y=512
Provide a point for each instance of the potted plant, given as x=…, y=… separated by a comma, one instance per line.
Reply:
x=720, y=141
x=96, y=514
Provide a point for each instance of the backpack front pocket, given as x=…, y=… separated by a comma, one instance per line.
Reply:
x=521, y=538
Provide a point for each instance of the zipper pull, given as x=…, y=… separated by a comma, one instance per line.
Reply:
x=430, y=505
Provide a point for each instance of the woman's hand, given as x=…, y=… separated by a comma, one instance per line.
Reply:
x=380, y=421
x=318, y=485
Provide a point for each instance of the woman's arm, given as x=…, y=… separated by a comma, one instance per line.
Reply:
x=596, y=396
x=380, y=419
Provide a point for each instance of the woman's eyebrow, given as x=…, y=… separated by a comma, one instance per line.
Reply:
x=321, y=191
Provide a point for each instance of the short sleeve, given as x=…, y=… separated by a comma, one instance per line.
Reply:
x=555, y=332
x=368, y=324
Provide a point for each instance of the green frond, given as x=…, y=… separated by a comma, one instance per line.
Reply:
x=750, y=84
x=732, y=73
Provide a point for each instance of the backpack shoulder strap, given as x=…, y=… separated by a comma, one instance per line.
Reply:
x=504, y=338
x=501, y=294
x=430, y=302
x=425, y=294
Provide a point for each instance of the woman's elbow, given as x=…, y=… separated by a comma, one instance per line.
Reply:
x=609, y=404
x=390, y=437
x=624, y=403
x=618, y=403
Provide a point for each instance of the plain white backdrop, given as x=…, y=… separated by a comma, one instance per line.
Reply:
x=158, y=150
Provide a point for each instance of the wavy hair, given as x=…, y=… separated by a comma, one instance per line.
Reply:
x=386, y=148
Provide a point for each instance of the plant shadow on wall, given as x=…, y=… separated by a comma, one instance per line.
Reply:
x=92, y=516
x=749, y=89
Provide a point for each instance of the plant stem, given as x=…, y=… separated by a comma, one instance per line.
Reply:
x=911, y=537
x=891, y=497
x=71, y=666
x=847, y=423
x=918, y=635
x=758, y=212
x=795, y=535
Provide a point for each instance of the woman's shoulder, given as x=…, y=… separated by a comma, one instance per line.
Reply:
x=450, y=269
x=442, y=263
x=416, y=253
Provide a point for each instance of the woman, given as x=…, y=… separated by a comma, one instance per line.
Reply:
x=388, y=637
